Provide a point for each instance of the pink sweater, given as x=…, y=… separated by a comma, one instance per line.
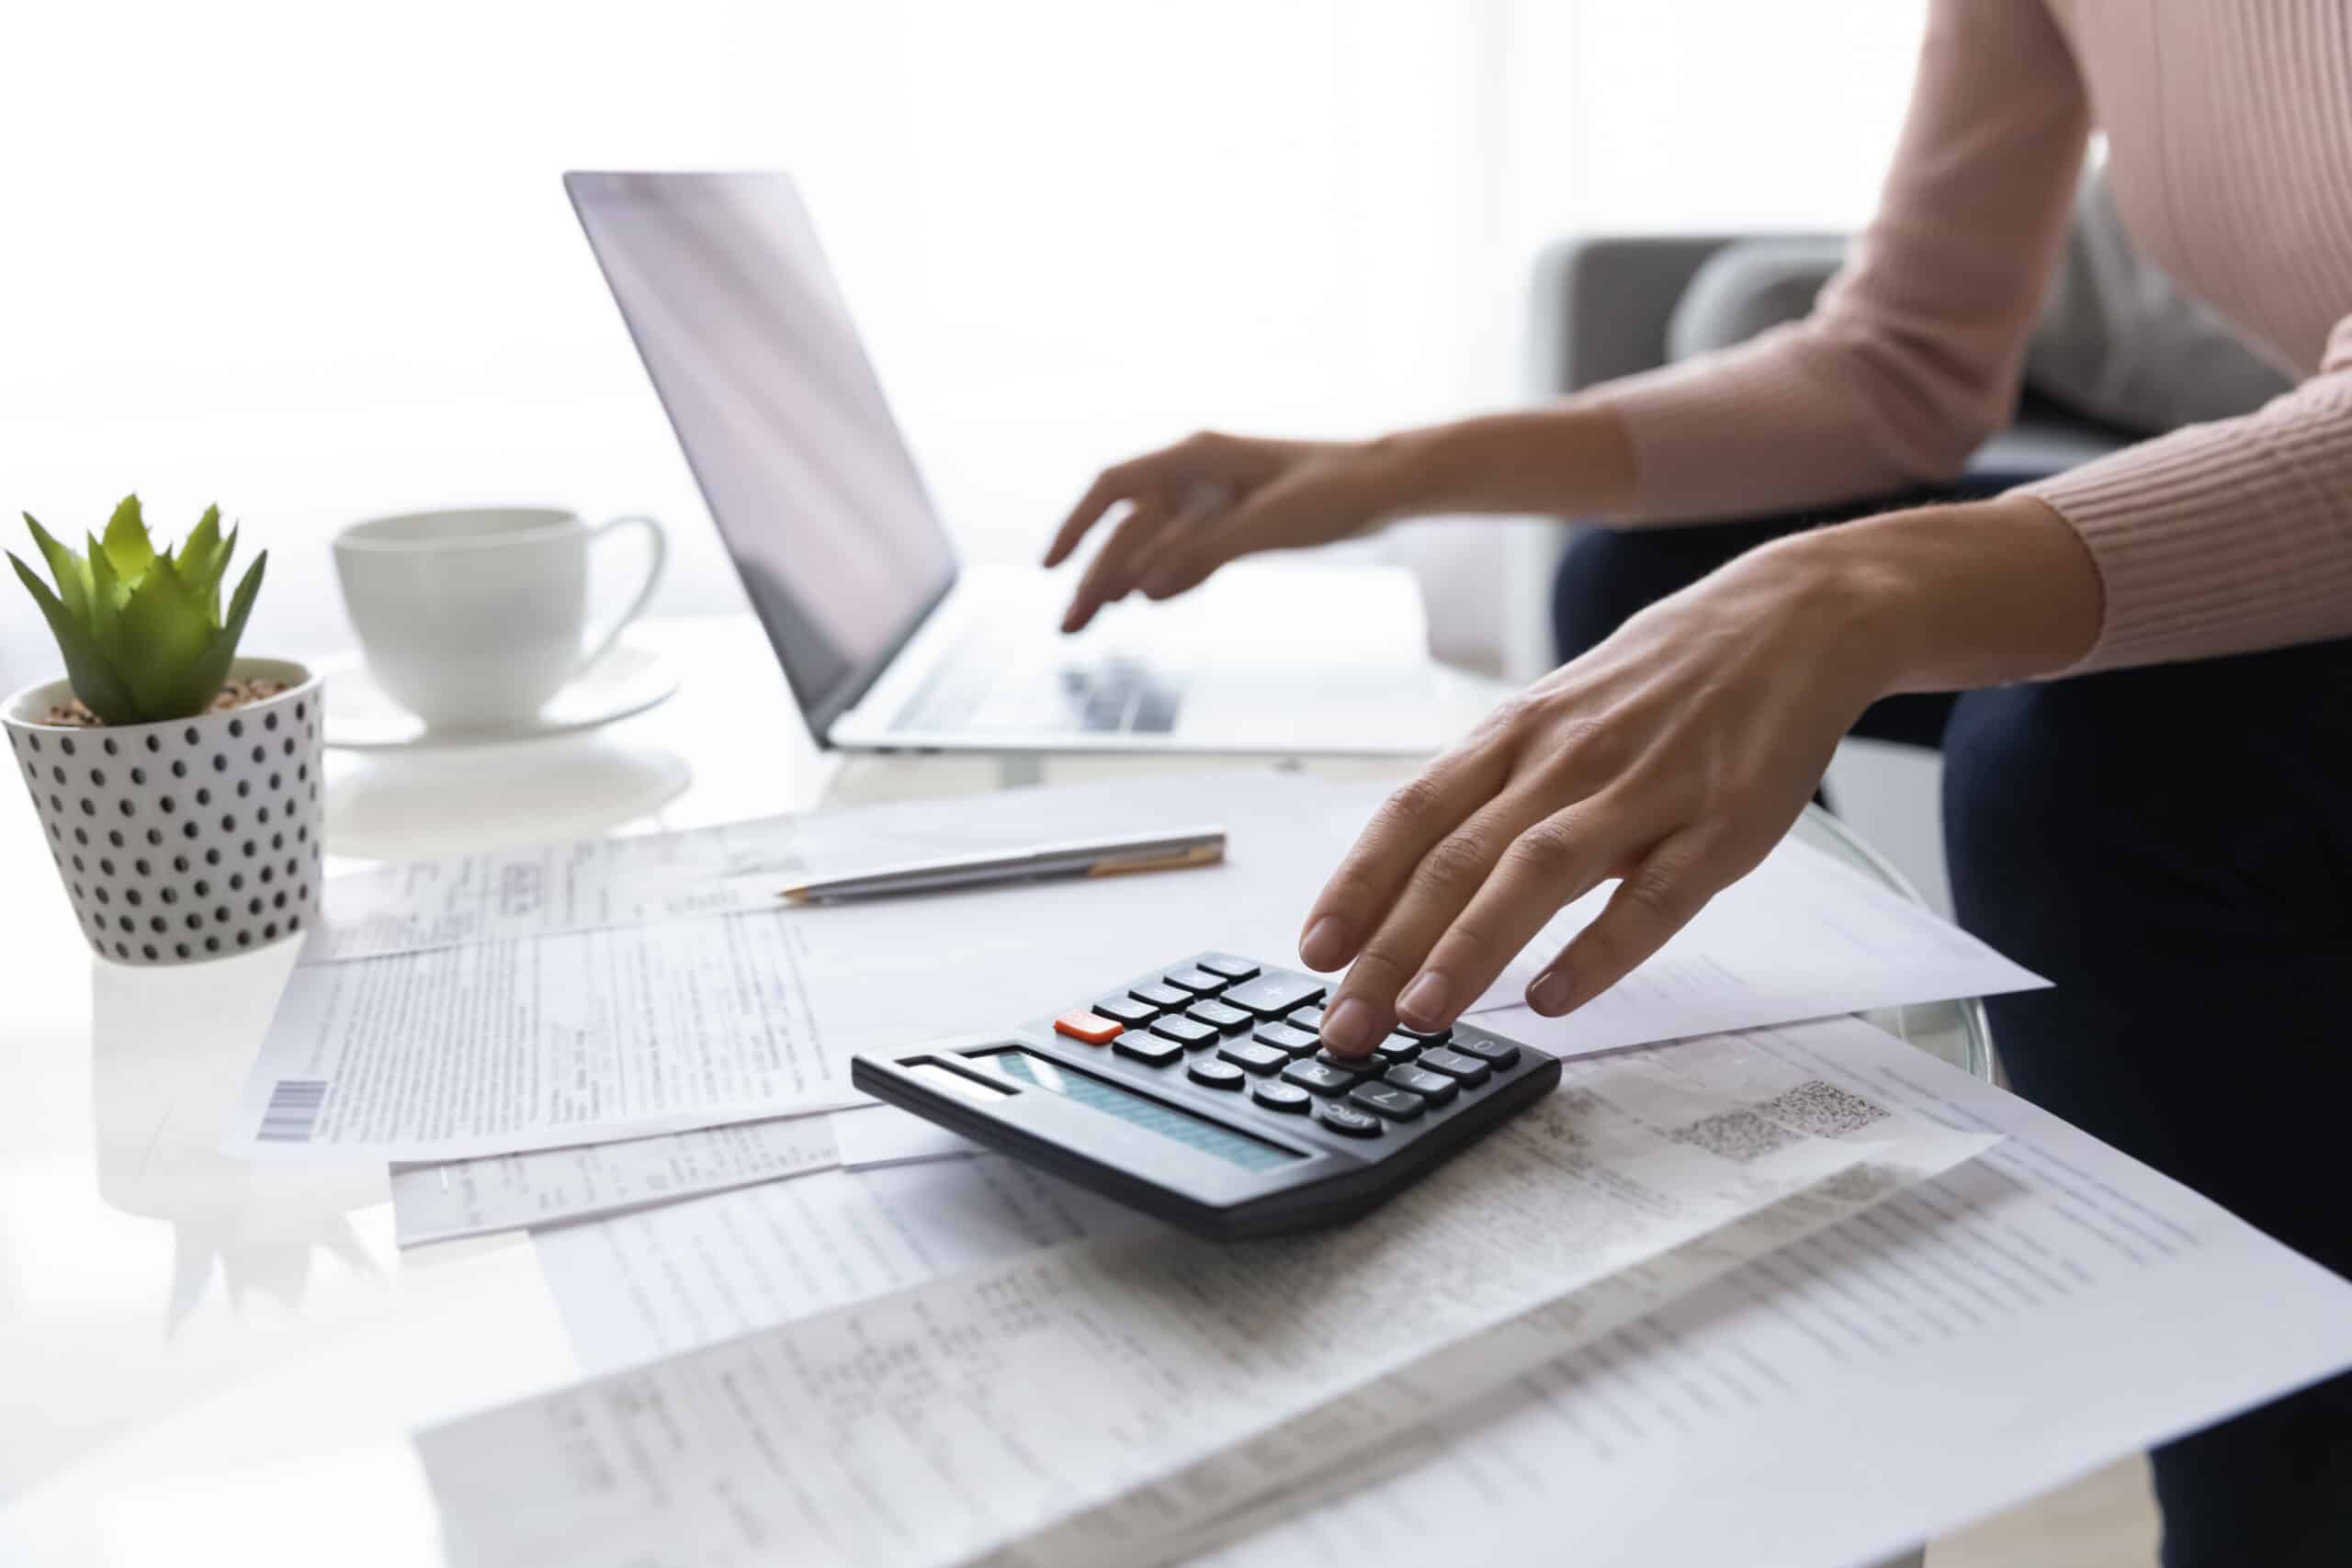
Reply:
x=2229, y=127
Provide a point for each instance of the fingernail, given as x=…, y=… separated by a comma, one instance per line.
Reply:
x=1423, y=1003
x=1550, y=993
x=1347, y=1028
x=1325, y=946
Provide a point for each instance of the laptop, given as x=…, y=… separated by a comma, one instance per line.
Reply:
x=887, y=640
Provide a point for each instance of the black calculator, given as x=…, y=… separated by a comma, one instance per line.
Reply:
x=1200, y=1093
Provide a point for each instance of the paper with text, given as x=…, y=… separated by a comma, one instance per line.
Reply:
x=450, y=1199
x=646, y=1285
x=506, y=1047
x=577, y=1036
x=538, y=889
x=1065, y=1387
x=742, y=867
x=1799, y=937
x=1980, y=1338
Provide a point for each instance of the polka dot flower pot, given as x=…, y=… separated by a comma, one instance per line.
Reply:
x=183, y=841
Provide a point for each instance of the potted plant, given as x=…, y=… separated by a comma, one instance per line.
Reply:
x=178, y=783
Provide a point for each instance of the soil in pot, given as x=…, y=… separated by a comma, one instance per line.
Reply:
x=238, y=693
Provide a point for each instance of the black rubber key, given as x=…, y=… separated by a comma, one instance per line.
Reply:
x=1216, y=1015
x=1165, y=998
x=1270, y=995
x=1497, y=1054
x=1232, y=968
x=1309, y=1019
x=1399, y=1047
x=1377, y=1062
x=1435, y=1088
x=1468, y=1071
x=1184, y=1031
x=1287, y=1097
x=1285, y=1037
x=1256, y=1058
x=1127, y=1010
x=1320, y=1080
x=1396, y=1104
x=1199, y=981
x=1147, y=1048
x=1215, y=1074
x=1426, y=1036
x=1347, y=1120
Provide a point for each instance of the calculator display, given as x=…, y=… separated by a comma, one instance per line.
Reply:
x=1193, y=1132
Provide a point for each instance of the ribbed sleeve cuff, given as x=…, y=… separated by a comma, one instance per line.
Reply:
x=2217, y=539
x=1743, y=432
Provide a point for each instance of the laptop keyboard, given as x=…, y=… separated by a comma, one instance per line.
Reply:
x=1115, y=694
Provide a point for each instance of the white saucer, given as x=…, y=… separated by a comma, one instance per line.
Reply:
x=362, y=718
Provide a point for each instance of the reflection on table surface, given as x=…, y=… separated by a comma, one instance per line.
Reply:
x=196, y=1348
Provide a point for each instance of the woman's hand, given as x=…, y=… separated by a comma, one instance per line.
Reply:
x=1675, y=753
x=1209, y=498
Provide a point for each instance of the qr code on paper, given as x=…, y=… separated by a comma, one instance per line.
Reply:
x=1824, y=1109
x=1740, y=1135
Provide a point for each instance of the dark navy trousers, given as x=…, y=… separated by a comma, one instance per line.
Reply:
x=2173, y=846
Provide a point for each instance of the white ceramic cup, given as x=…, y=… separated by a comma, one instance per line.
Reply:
x=472, y=619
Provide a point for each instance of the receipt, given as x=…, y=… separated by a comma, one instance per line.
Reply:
x=1081, y=1398
x=446, y=1200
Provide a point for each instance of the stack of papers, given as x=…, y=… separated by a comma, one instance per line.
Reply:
x=1103, y=1400
x=551, y=997
x=1845, y=1294
x=1828, y=1392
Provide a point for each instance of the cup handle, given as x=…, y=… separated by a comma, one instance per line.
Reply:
x=660, y=555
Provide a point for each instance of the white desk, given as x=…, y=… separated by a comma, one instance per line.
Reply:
x=201, y=1357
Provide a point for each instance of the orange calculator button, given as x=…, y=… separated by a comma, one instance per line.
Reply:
x=1092, y=1028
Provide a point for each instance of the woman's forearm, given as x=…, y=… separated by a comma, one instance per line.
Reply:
x=1948, y=598
x=1566, y=461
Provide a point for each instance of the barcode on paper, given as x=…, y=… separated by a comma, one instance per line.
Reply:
x=292, y=1114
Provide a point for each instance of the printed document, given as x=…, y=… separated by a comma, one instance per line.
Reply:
x=445, y=1200
x=1967, y=1344
x=1971, y=1342
x=574, y=1036
x=539, y=889
x=1088, y=1387
x=569, y=1036
x=1801, y=936
x=742, y=867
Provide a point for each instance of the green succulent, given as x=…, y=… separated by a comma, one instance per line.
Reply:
x=140, y=628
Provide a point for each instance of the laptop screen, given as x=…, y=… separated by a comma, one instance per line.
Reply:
x=752, y=350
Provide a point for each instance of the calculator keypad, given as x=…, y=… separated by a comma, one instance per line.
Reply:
x=1347, y=1120
x=1219, y=1055
x=1184, y=1031
x=1256, y=1058
x=1220, y=1022
x=1215, y=1074
x=1272, y=996
x=1127, y=1010
x=1218, y=1016
x=1289, y=1039
x=1148, y=1048
x=1285, y=1097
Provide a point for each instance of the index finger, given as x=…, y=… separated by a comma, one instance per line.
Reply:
x=1352, y=904
x=1121, y=481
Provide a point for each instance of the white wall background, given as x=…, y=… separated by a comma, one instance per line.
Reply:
x=313, y=260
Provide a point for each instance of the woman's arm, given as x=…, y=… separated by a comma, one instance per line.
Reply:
x=1676, y=754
